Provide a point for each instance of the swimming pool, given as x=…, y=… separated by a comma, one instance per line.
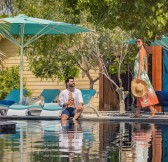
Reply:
x=105, y=141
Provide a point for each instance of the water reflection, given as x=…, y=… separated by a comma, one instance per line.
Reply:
x=144, y=137
x=68, y=141
x=133, y=142
x=70, y=138
x=41, y=141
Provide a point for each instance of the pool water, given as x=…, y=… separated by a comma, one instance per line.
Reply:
x=85, y=141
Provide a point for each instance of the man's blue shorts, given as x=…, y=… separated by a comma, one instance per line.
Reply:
x=70, y=112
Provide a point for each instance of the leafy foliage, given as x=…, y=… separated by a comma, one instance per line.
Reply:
x=47, y=60
x=110, y=44
x=115, y=51
x=145, y=18
x=50, y=56
x=45, y=55
x=9, y=79
x=47, y=9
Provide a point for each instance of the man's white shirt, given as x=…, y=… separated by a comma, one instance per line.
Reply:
x=64, y=96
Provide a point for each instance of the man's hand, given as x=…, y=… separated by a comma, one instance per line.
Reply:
x=79, y=108
x=66, y=104
x=71, y=103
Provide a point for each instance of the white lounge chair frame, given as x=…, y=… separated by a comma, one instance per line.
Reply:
x=91, y=106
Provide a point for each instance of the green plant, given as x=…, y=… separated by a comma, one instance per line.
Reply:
x=9, y=79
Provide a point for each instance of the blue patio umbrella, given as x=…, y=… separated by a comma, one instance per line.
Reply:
x=130, y=41
x=22, y=25
x=163, y=42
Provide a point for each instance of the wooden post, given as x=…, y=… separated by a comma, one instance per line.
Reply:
x=101, y=92
x=157, y=70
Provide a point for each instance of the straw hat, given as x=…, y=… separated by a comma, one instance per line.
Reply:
x=139, y=88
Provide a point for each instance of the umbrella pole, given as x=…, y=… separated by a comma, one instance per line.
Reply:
x=21, y=61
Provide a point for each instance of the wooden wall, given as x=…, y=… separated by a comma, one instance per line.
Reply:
x=157, y=67
x=157, y=70
x=36, y=85
x=108, y=97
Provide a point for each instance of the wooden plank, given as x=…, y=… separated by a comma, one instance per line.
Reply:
x=110, y=99
x=157, y=70
x=101, y=92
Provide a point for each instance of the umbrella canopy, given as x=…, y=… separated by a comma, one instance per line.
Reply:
x=163, y=42
x=130, y=41
x=33, y=26
x=22, y=25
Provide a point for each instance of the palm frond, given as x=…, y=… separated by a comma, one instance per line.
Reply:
x=4, y=26
x=2, y=55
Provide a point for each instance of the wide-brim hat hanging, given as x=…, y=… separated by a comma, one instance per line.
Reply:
x=139, y=88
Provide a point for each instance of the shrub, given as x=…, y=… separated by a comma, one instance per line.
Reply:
x=9, y=79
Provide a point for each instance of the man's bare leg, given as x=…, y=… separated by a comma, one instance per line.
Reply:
x=64, y=118
x=64, y=122
x=77, y=114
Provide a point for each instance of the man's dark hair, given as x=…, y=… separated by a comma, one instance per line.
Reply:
x=67, y=80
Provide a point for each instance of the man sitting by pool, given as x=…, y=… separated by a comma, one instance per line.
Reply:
x=71, y=100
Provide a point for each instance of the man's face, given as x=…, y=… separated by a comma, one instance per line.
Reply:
x=71, y=83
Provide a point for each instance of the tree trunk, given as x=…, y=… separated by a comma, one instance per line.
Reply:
x=91, y=84
x=93, y=81
x=122, y=107
x=122, y=95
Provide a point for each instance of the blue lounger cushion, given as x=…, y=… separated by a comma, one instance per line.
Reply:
x=165, y=103
x=6, y=102
x=87, y=95
x=52, y=107
x=164, y=95
x=22, y=107
x=163, y=100
x=50, y=95
x=12, y=97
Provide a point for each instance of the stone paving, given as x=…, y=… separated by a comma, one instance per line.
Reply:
x=104, y=116
x=159, y=117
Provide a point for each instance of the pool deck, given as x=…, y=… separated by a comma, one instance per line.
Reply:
x=110, y=116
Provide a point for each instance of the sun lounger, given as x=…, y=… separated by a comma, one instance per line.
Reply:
x=23, y=110
x=55, y=109
x=11, y=98
x=88, y=95
x=51, y=109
